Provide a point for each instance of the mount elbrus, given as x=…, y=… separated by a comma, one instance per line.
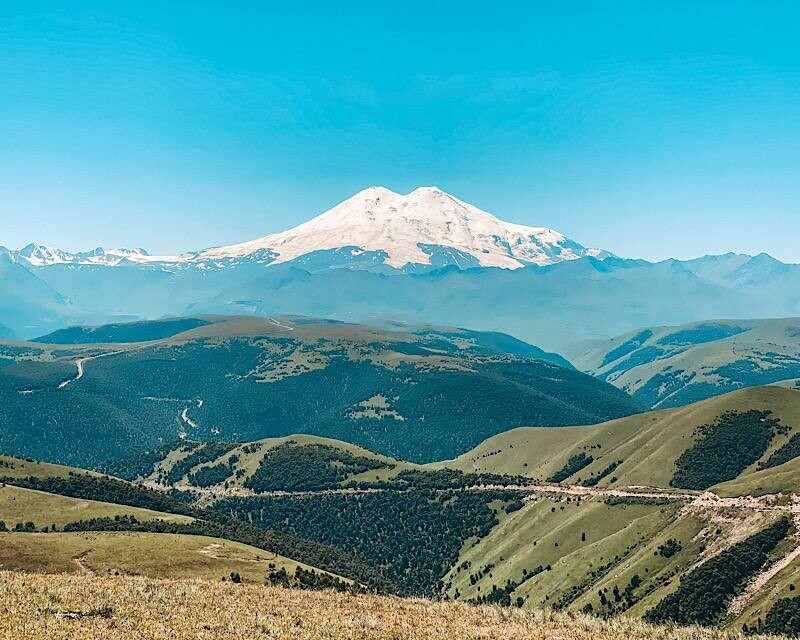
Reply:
x=423, y=257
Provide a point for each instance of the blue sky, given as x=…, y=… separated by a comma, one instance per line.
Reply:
x=652, y=129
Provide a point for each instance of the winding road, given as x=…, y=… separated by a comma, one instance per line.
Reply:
x=707, y=500
x=80, y=365
x=281, y=325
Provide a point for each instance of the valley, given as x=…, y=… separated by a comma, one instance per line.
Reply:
x=240, y=446
x=516, y=522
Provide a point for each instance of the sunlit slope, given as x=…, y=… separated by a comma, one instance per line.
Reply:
x=113, y=608
x=20, y=506
x=11, y=467
x=296, y=459
x=672, y=366
x=613, y=557
x=157, y=555
x=646, y=445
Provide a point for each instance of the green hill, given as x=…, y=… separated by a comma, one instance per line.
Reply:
x=611, y=547
x=418, y=395
x=647, y=449
x=20, y=506
x=613, y=557
x=53, y=515
x=604, y=548
x=290, y=463
x=666, y=367
x=143, y=331
x=156, y=555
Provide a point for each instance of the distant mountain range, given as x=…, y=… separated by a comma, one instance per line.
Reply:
x=666, y=367
x=375, y=227
x=421, y=257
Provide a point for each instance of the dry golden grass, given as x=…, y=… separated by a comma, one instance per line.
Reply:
x=155, y=555
x=36, y=607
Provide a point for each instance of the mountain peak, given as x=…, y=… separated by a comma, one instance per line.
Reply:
x=41, y=255
x=409, y=228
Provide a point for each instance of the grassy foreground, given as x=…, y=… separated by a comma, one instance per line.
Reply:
x=115, y=608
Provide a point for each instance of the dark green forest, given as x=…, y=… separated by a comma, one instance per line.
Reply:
x=132, y=401
x=695, y=602
x=289, y=467
x=413, y=537
x=725, y=448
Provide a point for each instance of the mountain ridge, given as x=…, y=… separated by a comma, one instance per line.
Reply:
x=425, y=257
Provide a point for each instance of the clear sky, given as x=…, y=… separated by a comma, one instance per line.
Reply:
x=649, y=128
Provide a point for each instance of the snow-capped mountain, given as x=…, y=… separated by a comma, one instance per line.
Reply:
x=407, y=227
x=40, y=255
x=393, y=229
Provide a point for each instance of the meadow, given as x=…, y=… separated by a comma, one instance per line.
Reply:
x=58, y=607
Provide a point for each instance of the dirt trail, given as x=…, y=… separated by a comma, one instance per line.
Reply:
x=755, y=585
x=210, y=550
x=82, y=568
x=707, y=500
x=80, y=365
x=281, y=325
x=187, y=420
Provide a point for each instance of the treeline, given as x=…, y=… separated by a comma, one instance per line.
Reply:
x=207, y=522
x=103, y=489
x=651, y=501
x=310, y=467
x=201, y=453
x=783, y=619
x=574, y=464
x=593, y=479
x=141, y=464
x=310, y=580
x=725, y=448
x=502, y=595
x=696, y=603
x=789, y=451
x=443, y=479
x=209, y=476
x=413, y=537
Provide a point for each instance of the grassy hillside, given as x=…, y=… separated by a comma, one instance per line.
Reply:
x=290, y=463
x=112, y=608
x=156, y=555
x=417, y=395
x=645, y=449
x=40, y=497
x=619, y=557
x=432, y=531
x=11, y=467
x=672, y=366
x=19, y=506
x=143, y=331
